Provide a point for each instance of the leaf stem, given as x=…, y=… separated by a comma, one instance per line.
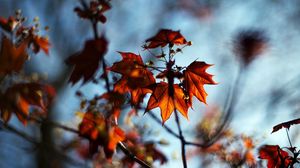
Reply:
x=287, y=134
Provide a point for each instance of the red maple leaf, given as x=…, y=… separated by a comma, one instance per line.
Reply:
x=275, y=156
x=135, y=77
x=86, y=62
x=166, y=102
x=8, y=24
x=94, y=11
x=20, y=97
x=94, y=127
x=194, y=79
x=12, y=58
x=164, y=37
x=286, y=124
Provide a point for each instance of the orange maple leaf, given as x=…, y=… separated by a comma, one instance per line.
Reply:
x=194, y=79
x=91, y=126
x=166, y=102
x=38, y=43
x=135, y=77
x=116, y=134
x=87, y=61
x=164, y=37
x=20, y=97
x=12, y=58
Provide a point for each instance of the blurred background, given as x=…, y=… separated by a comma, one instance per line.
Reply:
x=267, y=88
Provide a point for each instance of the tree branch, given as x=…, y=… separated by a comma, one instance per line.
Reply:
x=182, y=140
x=132, y=156
x=32, y=140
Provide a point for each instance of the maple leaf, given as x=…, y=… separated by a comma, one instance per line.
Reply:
x=167, y=103
x=135, y=77
x=94, y=11
x=8, y=24
x=87, y=61
x=194, y=79
x=164, y=37
x=20, y=97
x=129, y=62
x=94, y=127
x=275, y=156
x=116, y=135
x=12, y=58
x=38, y=43
x=35, y=41
x=91, y=126
x=286, y=124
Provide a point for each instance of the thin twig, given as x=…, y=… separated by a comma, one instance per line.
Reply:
x=132, y=156
x=105, y=76
x=182, y=140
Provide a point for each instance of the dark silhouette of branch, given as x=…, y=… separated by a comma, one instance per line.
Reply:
x=34, y=141
x=182, y=140
x=132, y=156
